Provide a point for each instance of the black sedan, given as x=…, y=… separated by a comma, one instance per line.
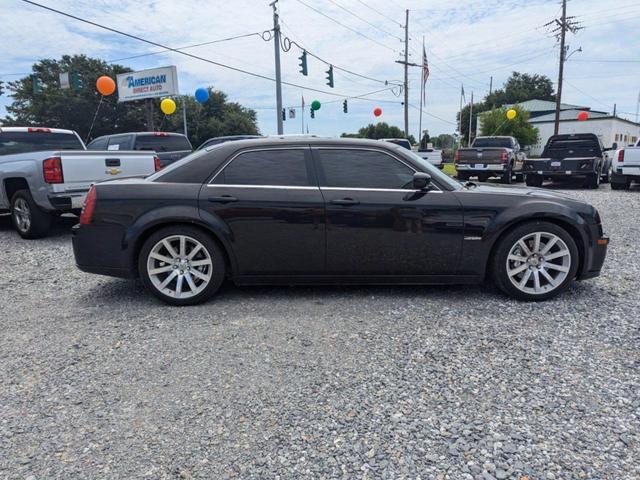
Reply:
x=330, y=211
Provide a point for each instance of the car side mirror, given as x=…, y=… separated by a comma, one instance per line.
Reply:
x=421, y=181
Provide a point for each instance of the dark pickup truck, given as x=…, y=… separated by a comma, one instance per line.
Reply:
x=574, y=155
x=497, y=156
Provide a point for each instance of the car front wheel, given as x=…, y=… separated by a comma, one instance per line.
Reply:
x=181, y=265
x=535, y=261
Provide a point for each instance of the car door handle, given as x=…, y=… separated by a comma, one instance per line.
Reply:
x=112, y=162
x=223, y=199
x=345, y=201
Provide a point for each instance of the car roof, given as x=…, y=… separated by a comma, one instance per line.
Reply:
x=26, y=129
x=303, y=141
x=159, y=134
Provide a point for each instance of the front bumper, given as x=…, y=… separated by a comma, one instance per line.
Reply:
x=594, y=259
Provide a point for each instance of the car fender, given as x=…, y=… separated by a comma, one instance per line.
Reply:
x=26, y=169
x=172, y=214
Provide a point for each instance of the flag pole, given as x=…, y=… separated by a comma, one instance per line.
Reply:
x=302, y=112
x=421, y=99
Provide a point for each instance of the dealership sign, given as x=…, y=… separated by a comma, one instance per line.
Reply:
x=152, y=83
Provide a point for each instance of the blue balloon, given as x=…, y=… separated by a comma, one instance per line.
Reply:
x=202, y=95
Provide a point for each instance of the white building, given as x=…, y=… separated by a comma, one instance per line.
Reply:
x=610, y=129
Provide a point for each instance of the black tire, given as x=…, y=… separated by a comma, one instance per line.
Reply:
x=534, y=180
x=606, y=178
x=29, y=220
x=519, y=177
x=593, y=181
x=213, y=250
x=507, y=176
x=498, y=265
x=621, y=185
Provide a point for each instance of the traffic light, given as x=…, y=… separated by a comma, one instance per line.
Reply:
x=345, y=107
x=303, y=63
x=75, y=80
x=330, y=76
x=37, y=86
x=1, y=87
x=284, y=114
x=313, y=113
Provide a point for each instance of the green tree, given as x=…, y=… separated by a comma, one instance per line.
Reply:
x=521, y=87
x=444, y=141
x=495, y=122
x=215, y=118
x=71, y=108
x=75, y=108
x=379, y=130
x=463, y=118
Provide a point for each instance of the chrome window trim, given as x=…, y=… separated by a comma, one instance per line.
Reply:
x=378, y=150
x=404, y=190
x=280, y=187
x=262, y=149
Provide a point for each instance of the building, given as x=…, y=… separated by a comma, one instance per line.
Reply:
x=609, y=128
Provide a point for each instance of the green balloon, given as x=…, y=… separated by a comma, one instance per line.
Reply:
x=315, y=105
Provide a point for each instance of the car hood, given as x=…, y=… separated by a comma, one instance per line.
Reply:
x=520, y=191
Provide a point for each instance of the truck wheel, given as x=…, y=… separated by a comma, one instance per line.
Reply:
x=535, y=261
x=534, y=180
x=519, y=177
x=593, y=181
x=606, y=178
x=181, y=265
x=28, y=219
x=507, y=176
x=626, y=185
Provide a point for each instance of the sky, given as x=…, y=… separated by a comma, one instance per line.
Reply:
x=467, y=43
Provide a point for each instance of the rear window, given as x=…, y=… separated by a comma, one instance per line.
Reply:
x=24, y=142
x=162, y=143
x=492, y=143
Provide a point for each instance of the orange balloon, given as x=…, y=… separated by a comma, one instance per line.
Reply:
x=105, y=85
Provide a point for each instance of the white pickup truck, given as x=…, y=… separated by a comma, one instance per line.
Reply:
x=625, y=167
x=431, y=155
x=47, y=171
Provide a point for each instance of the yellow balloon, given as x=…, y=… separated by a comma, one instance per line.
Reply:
x=167, y=106
x=511, y=114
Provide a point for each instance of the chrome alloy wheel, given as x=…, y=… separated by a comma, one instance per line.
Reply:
x=538, y=263
x=179, y=266
x=22, y=214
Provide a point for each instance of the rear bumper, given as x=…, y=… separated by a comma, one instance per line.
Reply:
x=67, y=202
x=100, y=250
x=560, y=174
x=481, y=167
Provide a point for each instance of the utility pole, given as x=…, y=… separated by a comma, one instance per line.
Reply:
x=184, y=115
x=276, y=44
x=565, y=23
x=149, y=110
x=470, y=120
x=491, y=85
x=406, y=64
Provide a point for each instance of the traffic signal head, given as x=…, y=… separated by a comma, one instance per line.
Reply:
x=313, y=113
x=35, y=83
x=345, y=107
x=303, y=63
x=75, y=80
x=1, y=87
x=330, y=76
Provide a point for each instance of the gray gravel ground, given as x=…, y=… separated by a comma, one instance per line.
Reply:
x=98, y=380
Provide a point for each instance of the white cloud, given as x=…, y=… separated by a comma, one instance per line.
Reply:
x=467, y=40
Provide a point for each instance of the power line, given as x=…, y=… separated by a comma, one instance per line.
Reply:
x=260, y=34
x=379, y=13
x=364, y=20
x=135, y=37
x=432, y=115
x=344, y=26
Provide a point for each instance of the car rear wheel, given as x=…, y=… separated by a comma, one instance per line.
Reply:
x=593, y=181
x=535, y=261
x=507, y=176
x=29, y=220
x=606, y=177
x=534, y=180
x=181, y=265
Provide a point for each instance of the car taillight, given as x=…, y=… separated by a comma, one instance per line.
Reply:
x=161, y=134
x=504, y=157
x=456, y=156
x=621, y=156
x=38, y=130
x=89, y=206
x=52, y=170
x=156, y=162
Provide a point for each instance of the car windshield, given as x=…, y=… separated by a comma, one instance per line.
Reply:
x=434, y=172
x=25, y=142
x=492, y=142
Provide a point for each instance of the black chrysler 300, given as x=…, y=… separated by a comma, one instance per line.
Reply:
x=310, y=210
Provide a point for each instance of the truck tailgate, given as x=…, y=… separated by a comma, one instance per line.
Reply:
x=82, y=168
x=481, y=155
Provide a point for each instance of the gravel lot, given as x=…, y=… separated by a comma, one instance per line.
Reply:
x=98, y=380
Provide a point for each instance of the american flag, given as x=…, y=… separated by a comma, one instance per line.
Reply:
x=425, y=73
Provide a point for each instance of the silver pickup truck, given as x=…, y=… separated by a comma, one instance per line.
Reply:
x=47, y=171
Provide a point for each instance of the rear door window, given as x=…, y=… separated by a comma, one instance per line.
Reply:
x=352, y=168
x=98, y=144
x=119, y=142
x=162, y=143
x=287, y=167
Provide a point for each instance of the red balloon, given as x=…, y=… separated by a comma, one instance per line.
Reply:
x=377, y=111
x=582, y=116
